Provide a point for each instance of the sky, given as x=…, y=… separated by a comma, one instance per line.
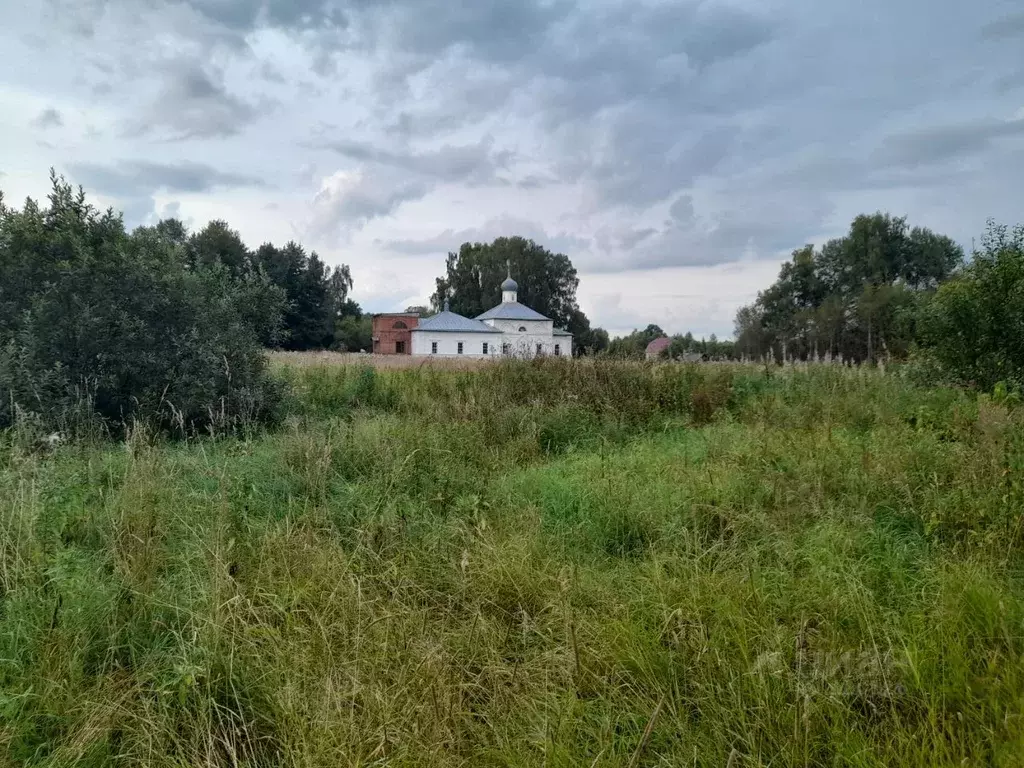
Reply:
x=676, y=151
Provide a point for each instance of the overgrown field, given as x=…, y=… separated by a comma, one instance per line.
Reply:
x=554, y=563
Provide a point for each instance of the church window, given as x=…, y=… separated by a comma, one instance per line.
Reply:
x=522, y=329
x=433, y=347
x=540, y=349
x=460, y=347
x=558, y=350
x=485, y=347
x=399, y=325
x=506, y=349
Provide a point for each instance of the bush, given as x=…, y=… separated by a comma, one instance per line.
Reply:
x=974, y=327
x=99, y=323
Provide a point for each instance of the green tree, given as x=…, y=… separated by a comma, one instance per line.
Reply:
x=338, y=286
x=217, y=243
x=353, y=332
x=315, y=297
x=97, y=322
x=635, y=344
x=974, y=325
x=547, y=281
x=852, y=297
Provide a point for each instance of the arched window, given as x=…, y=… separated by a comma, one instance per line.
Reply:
x=399, y=325
x=522, y=329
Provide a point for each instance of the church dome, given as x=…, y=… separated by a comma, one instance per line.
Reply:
x=509, y=285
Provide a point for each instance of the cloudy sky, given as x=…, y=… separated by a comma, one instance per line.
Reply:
x=676, y=150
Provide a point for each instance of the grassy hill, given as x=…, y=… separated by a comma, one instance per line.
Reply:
x=552, y=563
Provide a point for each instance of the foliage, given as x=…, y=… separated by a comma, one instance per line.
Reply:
x=315, y=296
x=686, y=347
x=974, y=326
x=97, y=322
x=590, y=341
x=857, y=297
x=301, y=300
x=550, y=563
x=353, y=331
x=547, y=283
x=635, y=344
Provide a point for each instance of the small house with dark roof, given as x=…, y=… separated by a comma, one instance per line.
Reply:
x=510, y=329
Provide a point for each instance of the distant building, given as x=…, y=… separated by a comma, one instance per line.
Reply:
x=391, y=333
x=656, y=347
x=510, y=329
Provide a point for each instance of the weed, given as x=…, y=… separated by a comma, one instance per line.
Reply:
x=544, y=563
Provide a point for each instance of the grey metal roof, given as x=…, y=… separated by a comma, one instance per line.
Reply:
x=511, y=310
x=451, y=322
x=561, y=332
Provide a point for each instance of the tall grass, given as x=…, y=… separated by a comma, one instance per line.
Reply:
x=527, y=564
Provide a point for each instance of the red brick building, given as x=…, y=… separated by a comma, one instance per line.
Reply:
x=391, y=333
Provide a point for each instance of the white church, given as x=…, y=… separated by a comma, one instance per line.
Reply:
x=511, y=329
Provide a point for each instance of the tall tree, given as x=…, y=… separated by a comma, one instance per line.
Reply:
x=314, y=297
x=852, y=297
x=217, y=243
x=547, y=281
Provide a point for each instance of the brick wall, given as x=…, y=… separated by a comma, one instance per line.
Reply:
x=387, y=339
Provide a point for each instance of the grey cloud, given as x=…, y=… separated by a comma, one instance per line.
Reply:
x=493, y=30
x=535, y=181
x=1007, y=27
x=385, y=179
x=634, y=237
x=646, y=162
x=721, y=32
x=48, y=118
x=131, y=178
x=682, y=209
x=1010, y=82
x=246, y=15
x=192, y=104
x=758, y=226
x=507, y=226
x=348, y=200
x=934, y=145
x=469, y=163
x=417, y=30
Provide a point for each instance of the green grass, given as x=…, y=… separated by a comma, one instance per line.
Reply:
x=537, y=564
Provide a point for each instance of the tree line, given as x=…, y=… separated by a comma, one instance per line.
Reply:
x=157, y=324
x=858, y=297
x=166, y=326
x=885, y=291
x=304, y=305
x=169, y=326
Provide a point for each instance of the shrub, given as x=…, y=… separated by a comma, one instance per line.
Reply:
x=96, y=322
x=974, y=327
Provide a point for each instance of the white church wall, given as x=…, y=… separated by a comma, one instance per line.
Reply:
x=448, y=343
x=528, y=345
x=533, y=327
x=525, y=343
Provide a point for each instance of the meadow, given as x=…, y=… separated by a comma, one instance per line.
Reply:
x=552, y=563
